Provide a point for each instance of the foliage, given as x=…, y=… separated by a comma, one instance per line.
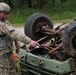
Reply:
x=55, y=9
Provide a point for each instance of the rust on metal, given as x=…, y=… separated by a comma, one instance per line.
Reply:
x=72, y=63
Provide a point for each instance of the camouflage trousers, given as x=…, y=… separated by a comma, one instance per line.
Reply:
x=7, y=65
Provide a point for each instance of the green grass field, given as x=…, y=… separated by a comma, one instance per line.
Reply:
x=18, y=16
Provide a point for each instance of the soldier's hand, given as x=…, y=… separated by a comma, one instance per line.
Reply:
x=34, y=43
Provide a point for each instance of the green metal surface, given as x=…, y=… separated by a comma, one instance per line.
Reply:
x=36, y=65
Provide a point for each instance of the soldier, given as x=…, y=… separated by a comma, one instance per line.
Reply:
x=7, y=35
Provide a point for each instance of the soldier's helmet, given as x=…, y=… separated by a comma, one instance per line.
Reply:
x=4, y=7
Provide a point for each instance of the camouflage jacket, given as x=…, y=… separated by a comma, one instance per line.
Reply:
x=12, y=34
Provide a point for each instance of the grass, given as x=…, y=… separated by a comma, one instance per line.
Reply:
x=59, y=13
x=18, y=20
x=55, y=19
x=18, y=24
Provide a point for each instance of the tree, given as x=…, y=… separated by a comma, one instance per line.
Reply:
x=53, y=2
x=30, y=3
x=10, y=3
x=64, y=1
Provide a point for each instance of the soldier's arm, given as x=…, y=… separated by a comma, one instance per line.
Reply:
x=23, y=38
x=20, y=37
x=14, y=34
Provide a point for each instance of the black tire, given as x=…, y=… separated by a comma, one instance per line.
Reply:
x=32, y=21
x=69, y=40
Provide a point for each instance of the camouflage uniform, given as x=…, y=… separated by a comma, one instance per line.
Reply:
x=7, y=65
x=7, y=36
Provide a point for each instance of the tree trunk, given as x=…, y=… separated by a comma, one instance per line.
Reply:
x=10, y=3
x=40, y=4
x=53, y=2
x=30, y=3
x=64, y=1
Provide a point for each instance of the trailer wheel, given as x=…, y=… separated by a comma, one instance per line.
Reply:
x=69, y=40
x=32, y=25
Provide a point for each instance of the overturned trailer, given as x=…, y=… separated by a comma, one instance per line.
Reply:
x=36, y=61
